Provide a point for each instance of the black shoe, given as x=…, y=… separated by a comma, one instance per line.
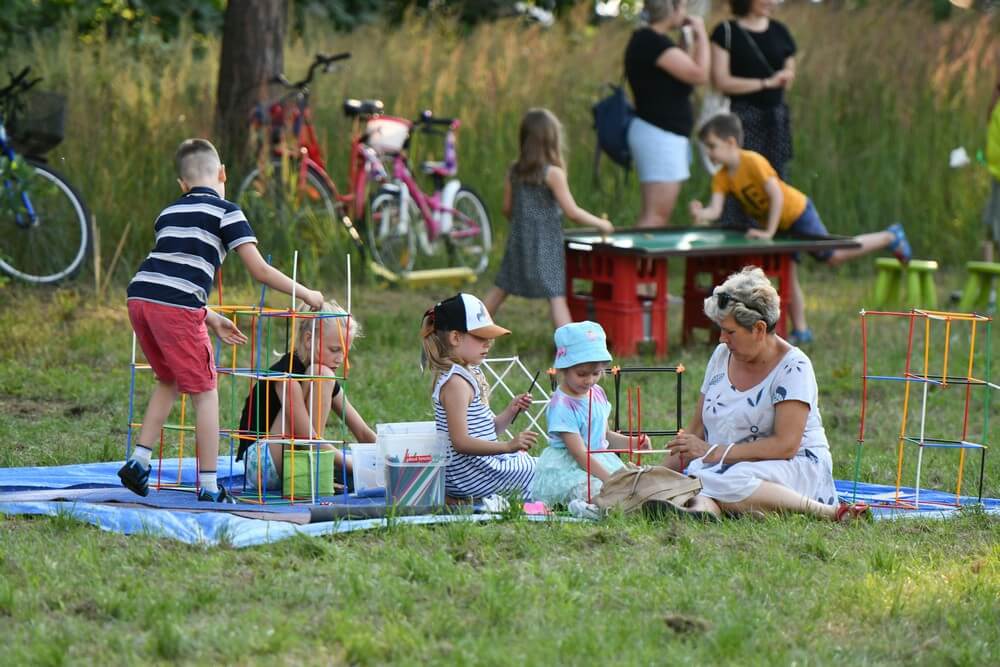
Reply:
x=222, y=496
x=135, y=477
x=661, y=509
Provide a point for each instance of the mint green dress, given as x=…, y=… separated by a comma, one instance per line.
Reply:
x=558, y=477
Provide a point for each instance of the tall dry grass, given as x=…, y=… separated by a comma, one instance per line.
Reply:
x=883, y=94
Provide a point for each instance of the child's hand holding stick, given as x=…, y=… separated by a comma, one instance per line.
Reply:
x=524, y=400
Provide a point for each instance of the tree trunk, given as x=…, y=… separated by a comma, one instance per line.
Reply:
x=252, y=53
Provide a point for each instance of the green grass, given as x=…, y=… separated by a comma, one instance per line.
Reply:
x=779, y=591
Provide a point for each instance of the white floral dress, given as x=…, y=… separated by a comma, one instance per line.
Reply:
x=733, y=416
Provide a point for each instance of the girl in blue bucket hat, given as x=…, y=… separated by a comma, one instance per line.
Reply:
x=577, y=417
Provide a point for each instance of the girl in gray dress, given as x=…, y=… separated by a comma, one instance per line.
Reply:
x=536, y=196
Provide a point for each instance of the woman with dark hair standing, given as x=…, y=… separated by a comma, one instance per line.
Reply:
x=753, y=61
x=662, y=75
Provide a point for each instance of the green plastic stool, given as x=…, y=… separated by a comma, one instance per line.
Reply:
x=917, y=276
x=976, y=294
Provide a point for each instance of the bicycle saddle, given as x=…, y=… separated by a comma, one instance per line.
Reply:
x=354, y=107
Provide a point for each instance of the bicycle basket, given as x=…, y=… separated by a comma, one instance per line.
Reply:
x=40, y=125
x=387, y=134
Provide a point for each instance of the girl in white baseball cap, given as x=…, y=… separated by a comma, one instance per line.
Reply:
x=457, y=334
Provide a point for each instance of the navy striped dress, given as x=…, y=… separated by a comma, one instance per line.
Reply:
x=478, y=476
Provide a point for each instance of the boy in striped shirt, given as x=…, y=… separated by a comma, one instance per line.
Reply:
x=166, y=306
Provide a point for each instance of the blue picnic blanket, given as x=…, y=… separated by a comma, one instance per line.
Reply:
x=91, y=492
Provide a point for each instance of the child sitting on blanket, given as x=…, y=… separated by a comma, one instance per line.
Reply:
x=457, y=334
x=300, y=408
x=577, y=417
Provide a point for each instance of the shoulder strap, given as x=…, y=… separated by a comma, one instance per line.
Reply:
x=756, y=49
x=729, y=35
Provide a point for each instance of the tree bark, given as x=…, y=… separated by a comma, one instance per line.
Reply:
x=253, y=42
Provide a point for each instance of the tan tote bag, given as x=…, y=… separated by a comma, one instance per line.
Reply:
x=628, y=488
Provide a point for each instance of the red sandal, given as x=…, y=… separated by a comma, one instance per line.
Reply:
x=849, y=512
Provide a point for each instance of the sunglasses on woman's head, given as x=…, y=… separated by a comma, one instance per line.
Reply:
x=723, y=299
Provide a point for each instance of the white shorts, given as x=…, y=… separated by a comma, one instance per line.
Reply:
x=809, y=473
x=660, y=156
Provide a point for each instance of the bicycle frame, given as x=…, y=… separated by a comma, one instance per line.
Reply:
x=435, y=209
x=364, y=165
x=22, y=220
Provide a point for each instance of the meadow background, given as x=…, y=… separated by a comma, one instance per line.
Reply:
x=884, y=92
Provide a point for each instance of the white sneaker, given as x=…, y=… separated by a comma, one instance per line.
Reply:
x=495, y=504
x=581, y=509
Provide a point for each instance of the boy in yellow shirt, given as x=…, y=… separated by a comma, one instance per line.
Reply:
x=776, y=207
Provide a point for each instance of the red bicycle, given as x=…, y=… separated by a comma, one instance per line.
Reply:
x=290, y=194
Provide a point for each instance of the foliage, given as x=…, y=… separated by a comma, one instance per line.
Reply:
x=108, y=17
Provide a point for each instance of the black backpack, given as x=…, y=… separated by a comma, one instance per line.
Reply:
x=612, y=116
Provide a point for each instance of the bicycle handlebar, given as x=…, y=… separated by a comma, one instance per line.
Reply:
x=426, y=120
x=320, y=60
x=18, y=84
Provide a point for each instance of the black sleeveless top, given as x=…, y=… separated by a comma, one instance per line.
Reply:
x=250, y=422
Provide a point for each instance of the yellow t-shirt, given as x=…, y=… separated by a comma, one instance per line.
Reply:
x=993, y=143
x=747, y=185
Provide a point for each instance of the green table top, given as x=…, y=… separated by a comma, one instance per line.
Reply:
x=698, y=241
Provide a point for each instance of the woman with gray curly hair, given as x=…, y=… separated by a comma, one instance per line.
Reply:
x=756, y=440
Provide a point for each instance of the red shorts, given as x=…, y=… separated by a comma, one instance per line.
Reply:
x=175, y=342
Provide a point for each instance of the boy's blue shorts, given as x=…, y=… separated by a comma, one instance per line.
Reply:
x=809, y=223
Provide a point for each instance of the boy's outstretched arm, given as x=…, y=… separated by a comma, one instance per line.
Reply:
x=263, y=272
x=776, y=200
x=701, y=214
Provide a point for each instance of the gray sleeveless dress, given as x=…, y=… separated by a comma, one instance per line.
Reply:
x=534, y=262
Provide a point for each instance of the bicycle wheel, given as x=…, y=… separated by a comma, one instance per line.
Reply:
x=471, y=238
x=390, y=240
x=51, y=246
x=290, y=215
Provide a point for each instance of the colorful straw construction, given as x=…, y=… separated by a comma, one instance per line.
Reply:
x=919, y=376
x=633, y=405
x=309, y=456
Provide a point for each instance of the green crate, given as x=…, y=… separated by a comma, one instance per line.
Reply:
x=306, y=462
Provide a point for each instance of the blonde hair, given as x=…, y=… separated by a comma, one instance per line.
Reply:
x=197, y=161
x=439, y=355
x=541, y=142
x=326, y=324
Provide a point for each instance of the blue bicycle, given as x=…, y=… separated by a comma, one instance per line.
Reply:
x=44, y=224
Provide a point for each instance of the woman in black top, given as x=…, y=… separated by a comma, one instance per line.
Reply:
x=753, y=61
x=662, y=75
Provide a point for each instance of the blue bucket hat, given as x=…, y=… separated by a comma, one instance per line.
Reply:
x=580, y=343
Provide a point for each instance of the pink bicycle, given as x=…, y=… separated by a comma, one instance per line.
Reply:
x=450, y=223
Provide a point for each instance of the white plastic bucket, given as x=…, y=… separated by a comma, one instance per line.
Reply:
x=368, y=469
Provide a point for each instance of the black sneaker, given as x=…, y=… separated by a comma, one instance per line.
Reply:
x=222, y=496
x=135, y=477
x=662, y=509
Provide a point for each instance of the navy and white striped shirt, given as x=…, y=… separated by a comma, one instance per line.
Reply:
x=193, y=236
x=479, y=476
